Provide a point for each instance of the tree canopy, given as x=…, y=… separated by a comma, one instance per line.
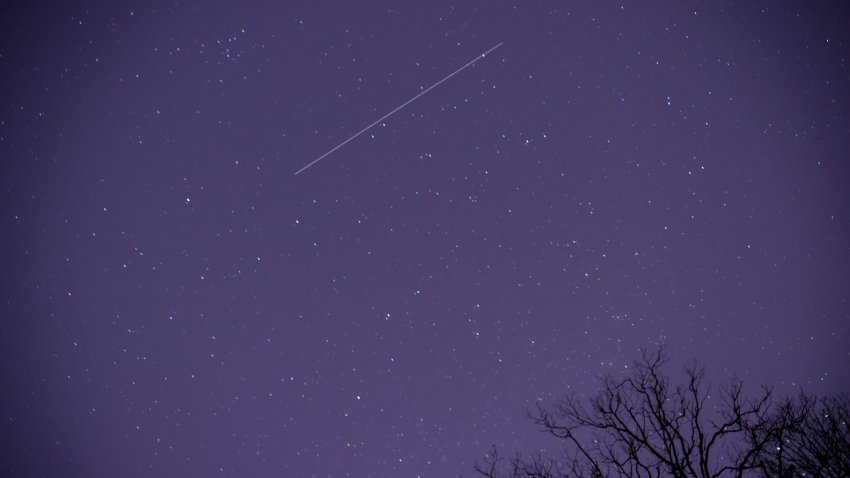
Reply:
x=641, y=425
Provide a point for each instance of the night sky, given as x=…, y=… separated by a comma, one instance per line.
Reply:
x=177, y=302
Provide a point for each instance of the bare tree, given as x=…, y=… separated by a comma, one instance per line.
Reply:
x=818, y=445
x=642, y=426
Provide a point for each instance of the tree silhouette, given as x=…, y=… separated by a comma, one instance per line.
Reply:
x=817, y=446
x=642, y=426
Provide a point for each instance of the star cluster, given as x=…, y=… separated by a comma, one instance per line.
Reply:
x=616, y=175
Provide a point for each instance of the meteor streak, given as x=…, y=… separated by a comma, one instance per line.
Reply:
x=382, y=118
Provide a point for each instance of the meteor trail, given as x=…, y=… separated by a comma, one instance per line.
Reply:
x=382, y=118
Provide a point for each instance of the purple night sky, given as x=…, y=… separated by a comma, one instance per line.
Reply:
x=178, y=303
